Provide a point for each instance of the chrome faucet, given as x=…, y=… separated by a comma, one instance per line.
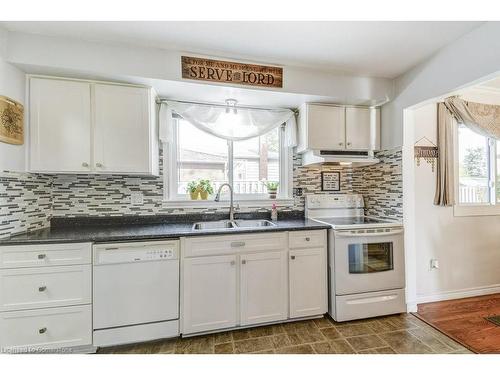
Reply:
x=231, y=206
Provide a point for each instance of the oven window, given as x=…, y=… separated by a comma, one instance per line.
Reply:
x=370, y=257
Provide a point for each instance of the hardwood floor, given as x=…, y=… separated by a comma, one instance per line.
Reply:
x=463, y=320
x=385, y=335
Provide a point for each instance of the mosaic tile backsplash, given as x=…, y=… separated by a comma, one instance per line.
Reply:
x=28, y=201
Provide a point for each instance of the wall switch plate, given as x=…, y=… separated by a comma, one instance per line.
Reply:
x=136, y=198
x=434, y=264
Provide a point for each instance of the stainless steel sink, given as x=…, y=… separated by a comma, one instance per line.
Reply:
x=226, y=224
x=254, y=223
x=214, y=225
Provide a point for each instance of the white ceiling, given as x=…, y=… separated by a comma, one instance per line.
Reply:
x=376, y=49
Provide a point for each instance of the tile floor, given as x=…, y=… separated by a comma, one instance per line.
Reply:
x=387, y=335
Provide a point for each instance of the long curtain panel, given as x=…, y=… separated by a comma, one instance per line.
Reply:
x=445, y=191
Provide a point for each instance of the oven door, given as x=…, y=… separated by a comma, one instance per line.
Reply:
x=368, y=260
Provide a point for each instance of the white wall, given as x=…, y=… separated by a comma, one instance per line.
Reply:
x=468, y=248
x=49, y=55
x=469, y=59
x=12, y=85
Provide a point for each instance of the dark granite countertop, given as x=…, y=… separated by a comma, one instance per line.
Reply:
x=143, y=228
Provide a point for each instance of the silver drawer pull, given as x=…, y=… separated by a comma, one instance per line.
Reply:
x=292, y=257
x=42, y=288
x=243, y=261
x=42, y=256
x=111, y=248
x=308, y=239
x=237, y=244
x=42, y=330
x=233, y=263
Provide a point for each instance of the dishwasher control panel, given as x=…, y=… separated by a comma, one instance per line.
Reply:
x=135, y=252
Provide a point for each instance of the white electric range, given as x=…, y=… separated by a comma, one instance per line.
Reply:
x=366, y=270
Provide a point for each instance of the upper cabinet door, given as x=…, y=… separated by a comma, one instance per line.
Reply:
x=358, y=128
x=122, y=131
x=60, y=125
x=326, y=127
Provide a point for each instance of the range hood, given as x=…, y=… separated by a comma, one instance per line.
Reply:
x=339, y=157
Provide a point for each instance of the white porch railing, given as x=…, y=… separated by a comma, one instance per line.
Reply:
x=473, y=194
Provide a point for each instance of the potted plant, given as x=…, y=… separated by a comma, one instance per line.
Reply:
x=193, y=189
x=272, y=188
x=205, y=187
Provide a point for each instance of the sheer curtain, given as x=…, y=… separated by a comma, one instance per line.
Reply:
x=235, y=124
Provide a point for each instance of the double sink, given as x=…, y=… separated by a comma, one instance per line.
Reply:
x=235, y=224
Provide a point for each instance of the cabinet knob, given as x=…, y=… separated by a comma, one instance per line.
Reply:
x=308, y=239
x=42, y=288
x=341, y=143
x=243, y=261
x=233, y=263
x=42, y=330
x=99, y=165
x=84, y=164
x=292, y=257
x=348, y=143
x=42, y=256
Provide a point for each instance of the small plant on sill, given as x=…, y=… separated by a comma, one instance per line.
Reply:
x=272, y=188
x=193, y=189
x=205, y=187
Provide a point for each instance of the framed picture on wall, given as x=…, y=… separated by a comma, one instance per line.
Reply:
x=11, y=121
x=330, y=181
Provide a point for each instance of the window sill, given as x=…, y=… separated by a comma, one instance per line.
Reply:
x=476, y=210
x=252, y=203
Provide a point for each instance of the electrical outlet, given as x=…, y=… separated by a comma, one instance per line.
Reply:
x=297, y=192
x=434, y=264
x=136, y=199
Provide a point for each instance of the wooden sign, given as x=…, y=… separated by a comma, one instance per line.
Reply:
x=330, y=181
x=231, y=72
x=11, y=121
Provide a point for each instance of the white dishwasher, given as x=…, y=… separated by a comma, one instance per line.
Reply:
x=136, y=292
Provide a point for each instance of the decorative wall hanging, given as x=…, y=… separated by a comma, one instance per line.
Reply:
x=427, y=150
x=330, y=181
x=231, y=72
x=11, y=121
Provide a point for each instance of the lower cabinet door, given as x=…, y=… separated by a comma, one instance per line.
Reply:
x=45, y=329
x=209, y=293
x=263, y=287
x=308, y=282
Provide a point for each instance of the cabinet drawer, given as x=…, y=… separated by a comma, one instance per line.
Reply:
x=46, y=328
x=310, y=238
x=29, y=288
x=230, y=244
x=45, y=255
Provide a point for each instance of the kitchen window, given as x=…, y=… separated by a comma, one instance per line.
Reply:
x=194, y=154
x=477, y=177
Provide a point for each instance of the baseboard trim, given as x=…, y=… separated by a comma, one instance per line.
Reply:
x=463, y=293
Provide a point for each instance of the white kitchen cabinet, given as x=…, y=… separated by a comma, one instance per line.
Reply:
x=263, y=287
x=60, y=126
x=45, y=297
x=91, y=127
x=308, y=282
x=357, y=125
x=321, y=127
x=338, y=128
x=209, y=293
x=122, y=136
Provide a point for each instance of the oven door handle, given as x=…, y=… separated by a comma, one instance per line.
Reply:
x=376, y=234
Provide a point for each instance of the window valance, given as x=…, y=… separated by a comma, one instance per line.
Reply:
x=481, y=118
x=231, y=123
